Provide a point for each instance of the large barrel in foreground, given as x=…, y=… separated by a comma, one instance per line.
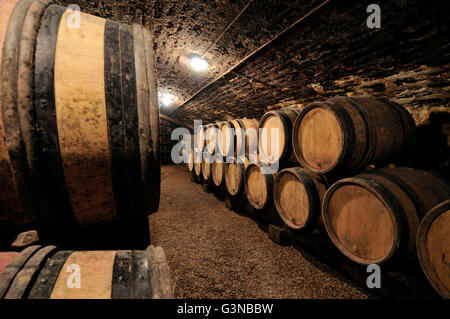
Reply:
x=80, y=118
x=433, y=248
x=343, y=135
x=298, y=196
x=46, y=273
x=373, y=218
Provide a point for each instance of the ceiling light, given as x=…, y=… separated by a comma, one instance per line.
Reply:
x=166, y=99
x=198, y=63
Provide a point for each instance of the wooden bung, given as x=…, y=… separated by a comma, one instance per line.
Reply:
x=373, y=217
x=433, y=248
x=47, y=273
x=79, y=124
x=298, y=196
x=343, y=135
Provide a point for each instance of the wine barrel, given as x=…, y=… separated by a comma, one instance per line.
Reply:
x=373, y=217
x=343, y=135
x=211, y=135
x=298, y=196
x=198, y=160
x=247, y=143
x=200, y=137
x=234, y=175
x=279, y=148
x=226, y=142
x=80, y=118
x=218, y=168
x=47, y=273
x=190, y=163
x=206, y=169
x=433, y=248
x=258, y=187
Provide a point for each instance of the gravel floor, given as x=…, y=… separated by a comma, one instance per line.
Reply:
x=216, y=253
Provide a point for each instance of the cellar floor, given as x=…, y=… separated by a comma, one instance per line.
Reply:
x=216, y=253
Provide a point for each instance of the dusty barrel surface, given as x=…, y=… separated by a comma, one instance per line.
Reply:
x=275, y=140
x=234, y=175
x=298, y=196
x=344, y=135
x=48, y=273
x=247, y=137
x=218, y=168
x=433, y=248
x=258, y=187
x=207, y=169
x=227, y=141
x=373, y=217
x=211, y=136
x=198, y=160
x=80, y=118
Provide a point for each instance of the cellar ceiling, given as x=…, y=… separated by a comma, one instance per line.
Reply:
x=266, y=54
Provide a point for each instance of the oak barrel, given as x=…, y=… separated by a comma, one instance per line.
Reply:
x=298, y=196
x=226, y=142
x=211, y=136
x=343, y=135
x=373, y=217
x=433, y=248
x=275, y=129
x=190, y=162
x=218, y=170
x=207, y=169
x=247, y=137
x=234, y=175
x=198, y=160
x=258, y=187
x=48, y=273
x=200, y=137
x=80, y=119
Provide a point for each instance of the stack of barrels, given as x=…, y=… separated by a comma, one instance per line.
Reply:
x=79, y=122
x=49, y=273
x=331, y=165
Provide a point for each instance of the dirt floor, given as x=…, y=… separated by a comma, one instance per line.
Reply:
x=216, y=253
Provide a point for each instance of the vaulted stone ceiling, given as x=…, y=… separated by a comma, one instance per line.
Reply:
x=330, y=51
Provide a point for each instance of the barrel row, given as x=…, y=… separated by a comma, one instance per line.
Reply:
x=48, y=273
x=79, y=124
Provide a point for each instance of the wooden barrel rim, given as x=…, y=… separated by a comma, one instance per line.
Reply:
x=23, y=280
x=241, y=142
x=346, y=127
x=312, y=195
x=393, y=207
x=9, y=273
x=9, y=96
x=152, y=180
x=269, y=187
x=422, y=252
x=25, y=81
